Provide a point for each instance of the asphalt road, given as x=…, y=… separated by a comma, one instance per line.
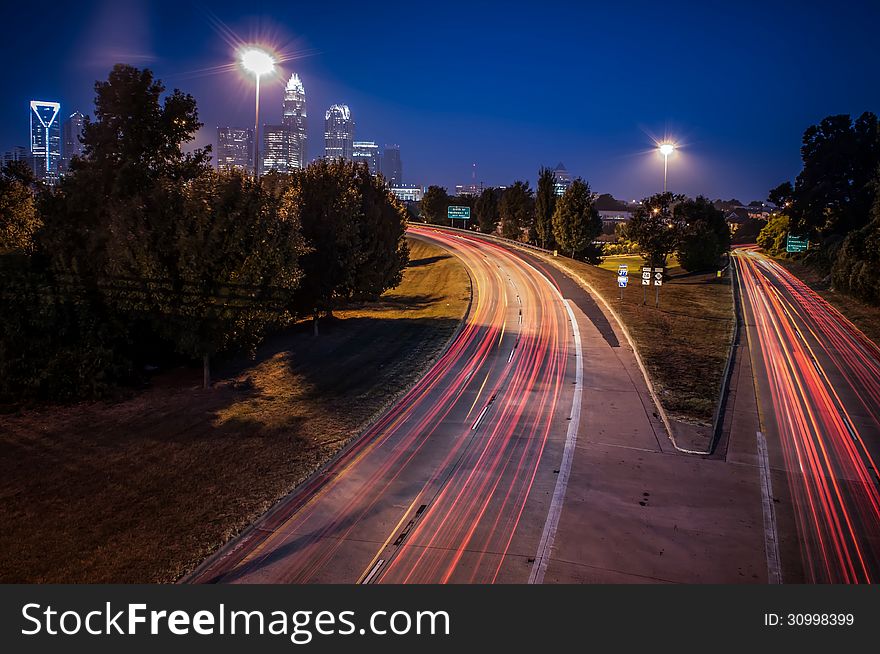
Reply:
x=817, y=381
x=530, y=452
x=442, y=488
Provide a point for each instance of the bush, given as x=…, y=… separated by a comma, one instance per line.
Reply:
x=772, y=237
x=855, y=267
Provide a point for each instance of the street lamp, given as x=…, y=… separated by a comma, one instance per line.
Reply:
x=259, y=62
x=666, y=149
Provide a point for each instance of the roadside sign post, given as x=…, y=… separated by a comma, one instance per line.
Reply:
x=796, y=243
x=658, y=282
x=622, y=277
x=454, y=212
x=646, y=282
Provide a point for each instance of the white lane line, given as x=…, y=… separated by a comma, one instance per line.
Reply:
x=542, y=558
x=479, y=418
x=771, y=536
x=374, y=571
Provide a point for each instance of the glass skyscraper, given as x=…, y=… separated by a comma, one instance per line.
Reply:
x=45, y=140
x=367, y=152
x=277, y=149
x=563, y=179
x=73, y=131
x=338, y=133
x=235, y=149
x=294, y=118
x=392, y=168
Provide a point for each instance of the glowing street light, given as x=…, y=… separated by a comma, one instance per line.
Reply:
x=259, y=62
x=666, y=149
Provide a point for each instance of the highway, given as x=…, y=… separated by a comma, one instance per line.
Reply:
x=818, y=388
x=456, y=481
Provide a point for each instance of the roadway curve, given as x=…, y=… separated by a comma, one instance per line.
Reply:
x=818, y=384
x=454, y=482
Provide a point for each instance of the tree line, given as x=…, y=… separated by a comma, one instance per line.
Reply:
x=144, y=253
x=835, y=202
x=661, y=225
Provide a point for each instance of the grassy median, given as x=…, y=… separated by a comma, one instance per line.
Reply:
x=684, y=343
x=142, y=490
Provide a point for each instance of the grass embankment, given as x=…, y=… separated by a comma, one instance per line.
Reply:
x=684, y=343
x=863, y=316
x=142, y=490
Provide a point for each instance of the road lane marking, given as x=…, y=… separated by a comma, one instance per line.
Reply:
x=542, y=558
x=373, y=572
x=771, y=535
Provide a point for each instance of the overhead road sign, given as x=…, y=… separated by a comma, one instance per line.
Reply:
x=460, y=213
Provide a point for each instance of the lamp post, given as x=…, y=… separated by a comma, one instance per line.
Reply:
x=259, y=62
x=666, y=149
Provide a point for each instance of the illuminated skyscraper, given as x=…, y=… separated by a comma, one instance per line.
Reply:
x=338, y=133
x=367, y=152
x=235, y=149
x=392, y=167
x=276, y=149
x=73, y=131
x=563, y=179
x=45, y=140
x=294, y=119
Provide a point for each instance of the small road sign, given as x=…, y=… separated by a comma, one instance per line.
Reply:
x=622, y=275
x=658, y=276
x=796, y=243
x=646, y=276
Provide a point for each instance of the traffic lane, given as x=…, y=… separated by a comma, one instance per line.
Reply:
x=368, y=496
x=830, y=478
x=486, y=520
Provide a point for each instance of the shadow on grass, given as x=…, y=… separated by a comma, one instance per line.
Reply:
x=427, y=261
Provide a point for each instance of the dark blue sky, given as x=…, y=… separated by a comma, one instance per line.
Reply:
x=508, y=85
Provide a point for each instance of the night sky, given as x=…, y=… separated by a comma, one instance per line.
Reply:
x=508, y=85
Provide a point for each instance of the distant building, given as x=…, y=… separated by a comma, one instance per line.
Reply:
x=276, y=149
x=474, y=190
x=45, y=140
x=235, y=149
x=408, y=193
x=338, y=133
x=72, y=135
x=392, y=167
x=295, y=119
x=563, y=179
x=367, y=152
x=614, y=217
x=18, y=153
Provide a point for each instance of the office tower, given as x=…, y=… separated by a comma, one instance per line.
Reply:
x=367, y=152
x=72, y=133
x=294, y=118
x=18, y=153
x=338, y=133
x=276, y=149
x=563, y=179
x=392, y=168
x=45, y=140
x=235, y=149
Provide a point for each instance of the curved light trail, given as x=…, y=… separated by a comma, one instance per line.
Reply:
x=823, y=377
x=452, y=484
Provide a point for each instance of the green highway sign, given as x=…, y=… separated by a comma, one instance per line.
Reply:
x=796, y=243
x=462, y=213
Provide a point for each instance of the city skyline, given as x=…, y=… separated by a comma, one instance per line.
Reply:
x=737, y=114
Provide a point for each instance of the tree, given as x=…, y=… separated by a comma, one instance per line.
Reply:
x=435, y=203
x=382, y=249
x=655, y=228
x=773, y=235
x=516, y=210
x=576, y=221
x=705, y=236
x=19, y=219
x=487, y=210
x=329, y=204
x=833, y=193
x=781, y=196
x=854, y=270
x=545, y=205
